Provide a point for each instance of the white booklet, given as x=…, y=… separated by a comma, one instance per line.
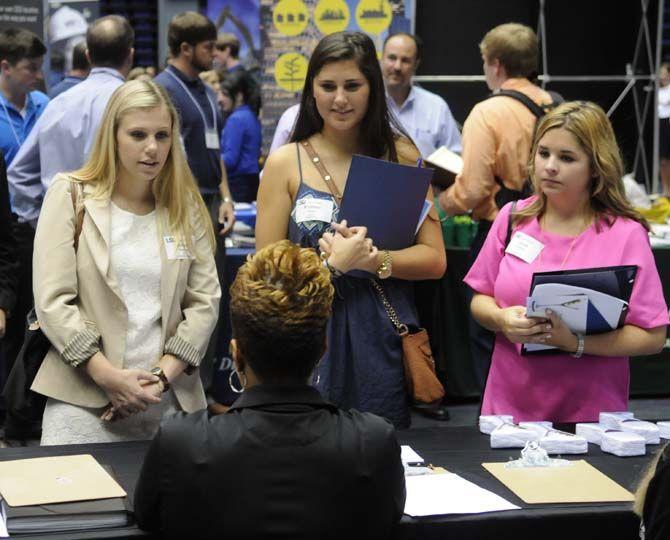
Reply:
x=447, y=493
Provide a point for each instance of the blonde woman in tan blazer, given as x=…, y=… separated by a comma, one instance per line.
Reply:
x=129, y=311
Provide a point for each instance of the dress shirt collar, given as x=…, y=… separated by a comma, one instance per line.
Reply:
x=517, y=83
x=408, y=100
x=185, y=78
x=268, y=394
x=99, y=72
x=28, y=107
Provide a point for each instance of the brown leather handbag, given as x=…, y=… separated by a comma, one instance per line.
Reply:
x=422, y=383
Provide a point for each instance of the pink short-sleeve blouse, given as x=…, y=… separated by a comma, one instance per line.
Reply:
x=558, y=387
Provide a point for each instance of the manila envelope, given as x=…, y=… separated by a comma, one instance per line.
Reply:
x=578, y=483
x=25, y=482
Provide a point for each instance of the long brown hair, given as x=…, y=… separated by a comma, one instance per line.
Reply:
x=379, y=129
x=588, y=123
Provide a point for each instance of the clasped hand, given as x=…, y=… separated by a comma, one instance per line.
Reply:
x=129, y=391
x=551, y=330
x=349, y=248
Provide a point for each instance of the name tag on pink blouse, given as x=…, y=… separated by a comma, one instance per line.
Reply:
x=524, y=247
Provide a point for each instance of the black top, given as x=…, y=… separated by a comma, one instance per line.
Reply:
x=8, y=261
x=282, y=463
x=656, y=511
x=205, y=163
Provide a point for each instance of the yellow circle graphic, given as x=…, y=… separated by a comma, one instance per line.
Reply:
x=290, y=17
x=373, y=16
x=290, y=71
x=331, y=16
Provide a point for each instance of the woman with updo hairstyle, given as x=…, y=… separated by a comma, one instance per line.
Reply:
x=343, y=112
x=125, y=284
x=282, y=461
x=580, y=216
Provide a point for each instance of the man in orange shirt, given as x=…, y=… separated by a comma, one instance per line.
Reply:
x=497, y=137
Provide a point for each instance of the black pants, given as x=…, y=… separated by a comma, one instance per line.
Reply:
x=16, y=323
x=213, y=202
x=244, y=188
x=481, y=339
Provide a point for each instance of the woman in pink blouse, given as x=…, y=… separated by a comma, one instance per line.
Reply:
x=582, y=219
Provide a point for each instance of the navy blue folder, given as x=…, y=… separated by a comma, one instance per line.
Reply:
x=387, y=198
x=616, y=281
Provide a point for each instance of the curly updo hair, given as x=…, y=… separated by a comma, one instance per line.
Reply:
x=280, y=303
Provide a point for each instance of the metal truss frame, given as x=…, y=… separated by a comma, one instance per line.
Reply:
x=640, y=79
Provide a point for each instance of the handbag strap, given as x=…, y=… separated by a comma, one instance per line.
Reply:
x=325, y=175
x=390, y=310
x=76, y=195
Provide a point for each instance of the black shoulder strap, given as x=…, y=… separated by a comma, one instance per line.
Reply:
x=509, y=224
x=521, y=98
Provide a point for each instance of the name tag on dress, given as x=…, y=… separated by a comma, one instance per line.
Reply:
x=212, y=139
x=525, y=247
x=308, y=209
x=175, y=250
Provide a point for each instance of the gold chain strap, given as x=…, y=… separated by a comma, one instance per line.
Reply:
x=390, y=311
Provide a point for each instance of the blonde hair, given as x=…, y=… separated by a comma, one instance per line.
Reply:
x=588, y=123
x=643, y=486
x=174, y=188
x=515, y=46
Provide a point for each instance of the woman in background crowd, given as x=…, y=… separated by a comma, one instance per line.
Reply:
x=129, y=300
x=241, y=137
x=582, y=219
x=343, y=112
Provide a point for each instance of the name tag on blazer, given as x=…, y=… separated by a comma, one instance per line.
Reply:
x=176, y=250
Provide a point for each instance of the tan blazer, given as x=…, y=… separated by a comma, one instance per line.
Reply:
x=77, y=299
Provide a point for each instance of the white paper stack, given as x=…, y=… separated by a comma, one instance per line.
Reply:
x=555, y=441
x=625, y=421
x=623, y=443
x=561, y=442
x=612, y=441
x=664, y=429
x=512, y=436
x=592, y=432
x=487, y=423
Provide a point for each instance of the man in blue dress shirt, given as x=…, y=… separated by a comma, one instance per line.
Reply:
x=191, y=39
x=80, y=70
x=64, y=134
x=21, y=55
x=426, y=116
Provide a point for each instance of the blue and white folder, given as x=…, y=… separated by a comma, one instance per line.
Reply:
x=590, y=301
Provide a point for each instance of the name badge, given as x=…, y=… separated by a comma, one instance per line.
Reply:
x=212, y=139
x=313, y=210
x=525, y=247
x=175, y=250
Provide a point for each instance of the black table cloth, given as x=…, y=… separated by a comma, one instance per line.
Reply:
x=460, y=450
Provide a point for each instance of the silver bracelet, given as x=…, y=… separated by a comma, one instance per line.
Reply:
x=227, y=200
x=580, y=346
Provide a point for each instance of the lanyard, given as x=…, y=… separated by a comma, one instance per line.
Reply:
x=202, y=113
x=9, y=121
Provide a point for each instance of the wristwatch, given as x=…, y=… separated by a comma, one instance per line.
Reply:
x=386, y=267
x=580, y=346
x=228, y=200
x=158, y=371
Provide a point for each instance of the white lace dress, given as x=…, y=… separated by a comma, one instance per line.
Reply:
x=136, y=263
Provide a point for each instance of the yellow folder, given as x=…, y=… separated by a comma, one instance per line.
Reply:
x=26, y=482
x=577, y=483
